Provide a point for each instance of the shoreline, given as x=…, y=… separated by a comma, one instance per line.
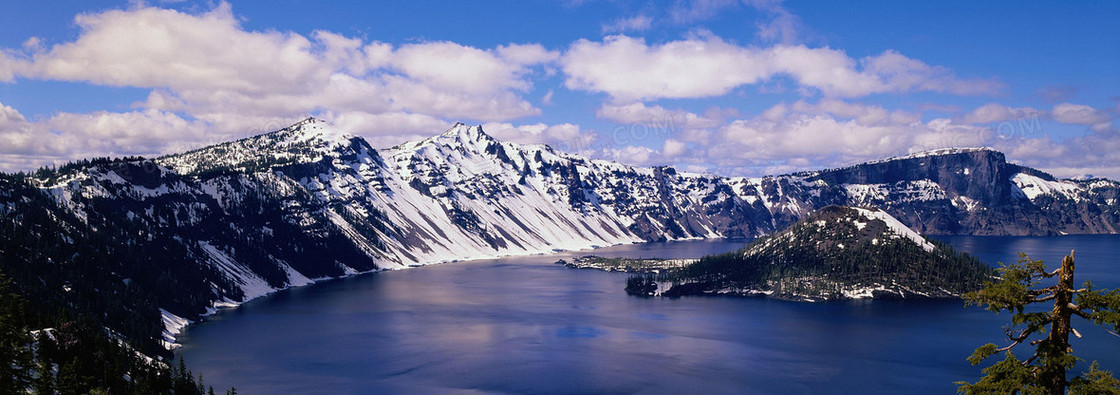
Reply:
x=175, y=325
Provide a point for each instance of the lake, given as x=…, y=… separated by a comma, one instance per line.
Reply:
x=527, y=325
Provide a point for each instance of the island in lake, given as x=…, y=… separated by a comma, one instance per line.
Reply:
x=835, y=253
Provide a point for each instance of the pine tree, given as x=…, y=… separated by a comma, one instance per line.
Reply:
x=15, y=351
x=1044, y=372
x=70, y=379
x=44, y=380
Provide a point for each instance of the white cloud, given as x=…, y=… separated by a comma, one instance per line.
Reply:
x=995, y=112
x=1078, y=114
x=783, y=26
x=832, y=133
x=633, y=155
x=903, y=74
x=7, y=67
x=565, y=137
x=211, y=79
x=386, y=129
x=66, y=136
x=229, y=80
x=151, y=47
x=864, y=114
x=704, y=65
x=639, y=121
x=777, y=24
x=640, y=113
x=685, y=11
x=1096, y=153
x=444, y=65
x=9, y=116
x=628, y=69
x=674, y=148
x=637, y=23
x=804, y=136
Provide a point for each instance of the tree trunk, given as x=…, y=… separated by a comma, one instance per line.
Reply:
x=1053, y=372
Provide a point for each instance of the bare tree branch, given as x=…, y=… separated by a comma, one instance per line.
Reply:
x=1044, y=299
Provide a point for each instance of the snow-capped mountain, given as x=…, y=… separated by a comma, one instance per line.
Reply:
x=836, y=252
x=244, y=218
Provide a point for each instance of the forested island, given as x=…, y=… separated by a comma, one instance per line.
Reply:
x=835, y=253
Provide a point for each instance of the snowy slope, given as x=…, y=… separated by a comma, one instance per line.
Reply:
x=895, y=226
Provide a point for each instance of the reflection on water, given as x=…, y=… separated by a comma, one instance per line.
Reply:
x=527, y=325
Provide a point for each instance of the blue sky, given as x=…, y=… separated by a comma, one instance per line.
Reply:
x=728, y=87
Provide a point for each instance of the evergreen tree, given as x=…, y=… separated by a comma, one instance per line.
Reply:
x=44, y=379
x=1044, y=372
x=70, y=378
x=15, y=352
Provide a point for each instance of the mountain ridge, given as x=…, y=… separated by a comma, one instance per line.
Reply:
x=310, y=201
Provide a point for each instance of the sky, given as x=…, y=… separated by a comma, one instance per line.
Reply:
x=738, y=88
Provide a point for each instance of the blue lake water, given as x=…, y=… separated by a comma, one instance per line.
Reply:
x=526, y=325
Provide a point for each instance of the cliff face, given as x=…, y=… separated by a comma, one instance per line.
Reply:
x=244, y=218
x=977, y=192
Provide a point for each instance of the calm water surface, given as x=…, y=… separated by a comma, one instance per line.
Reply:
x=527, y=325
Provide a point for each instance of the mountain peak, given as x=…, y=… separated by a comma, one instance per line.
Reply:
x=839, y=225
x=305, y=141
x=312, y=128
x=466, y=132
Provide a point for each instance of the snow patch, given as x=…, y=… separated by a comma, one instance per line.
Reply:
x=1034, y=187
x=896, y=226
x=172, y=326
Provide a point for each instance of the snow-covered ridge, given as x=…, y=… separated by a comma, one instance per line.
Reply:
x=1034, y=186
x=896, y=226
x=306, y=141
x=935, y=152
x=313, y=189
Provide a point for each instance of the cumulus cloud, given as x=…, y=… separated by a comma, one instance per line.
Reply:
x=1096, y=153
x=66, y=136
x=704, y=65
x=188, y=61
x=806, y=135
x=629, y=69
x=211, y=79
x=829, y=133
x=444, y=65
x=209, y=71
x=152, y=47
x=674, y=148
